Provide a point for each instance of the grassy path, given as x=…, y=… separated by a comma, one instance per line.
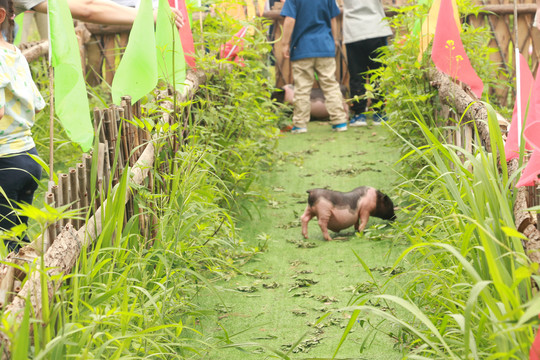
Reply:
x=285, y=290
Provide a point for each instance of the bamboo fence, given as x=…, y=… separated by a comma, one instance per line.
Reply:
x=122, y=146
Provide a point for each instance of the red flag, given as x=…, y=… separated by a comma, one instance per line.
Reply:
x=532, y=134
x=230, y=50
x=448, y=53
x=511, y=148
x=186, y=36
x=534, y=354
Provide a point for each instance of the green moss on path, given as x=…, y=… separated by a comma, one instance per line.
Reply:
x=286, y=289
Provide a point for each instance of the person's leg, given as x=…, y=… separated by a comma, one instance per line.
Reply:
x=303, y=83
x=326, y=71
x=374, y=46
x=19, y=174
x=42, y=25
x=358, y=61
x=26, y=26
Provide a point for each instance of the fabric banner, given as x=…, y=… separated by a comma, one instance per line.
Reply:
x=511, y=147
x=186, y=36
x=70, y=98
x=448, y=52
x=136, y=75
x=170, y=55
x=430, y=24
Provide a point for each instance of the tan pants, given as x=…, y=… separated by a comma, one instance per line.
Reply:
x=303, y=74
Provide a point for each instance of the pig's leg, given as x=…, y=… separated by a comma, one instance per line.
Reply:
x=363, y=220
x=323, y=224
x=306, y=217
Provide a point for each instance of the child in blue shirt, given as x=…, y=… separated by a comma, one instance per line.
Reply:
x=309, y=34
x=19, y=101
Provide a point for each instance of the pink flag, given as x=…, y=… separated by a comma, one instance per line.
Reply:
x=448, y=52
x=186, y=36
x=534, y=354
x=511, y=148
x=529, y=176
x=532, y=126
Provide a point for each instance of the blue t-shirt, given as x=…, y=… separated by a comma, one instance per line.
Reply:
x=312, y=34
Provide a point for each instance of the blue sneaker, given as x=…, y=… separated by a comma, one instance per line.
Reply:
x=339, y=127
x=298, y=130
x=358, y=120
x=380, y=117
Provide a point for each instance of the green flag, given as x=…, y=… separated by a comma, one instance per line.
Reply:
x=70, y=99
x=418, y=23
x=136, y=75
x=170, y=55
x=19, y=21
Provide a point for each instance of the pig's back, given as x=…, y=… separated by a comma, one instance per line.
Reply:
x=338, y=198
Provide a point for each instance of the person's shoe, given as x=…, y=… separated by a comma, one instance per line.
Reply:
x=358, y=120
x=339, y=127
x=298, y=130
x=379, y=118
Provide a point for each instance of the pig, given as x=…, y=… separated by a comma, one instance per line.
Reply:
x=336, y=210
x=317, y=99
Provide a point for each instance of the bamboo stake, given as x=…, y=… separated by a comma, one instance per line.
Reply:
x=87, y=160
x=51, y=229
x=55, y=190
x=6, y=286
x=65, y=200
x=83, y=196
x=98, y=124
x=17, y=286
x=106, y=166
x=99, y=183
x=51, y=124
x=74, y=194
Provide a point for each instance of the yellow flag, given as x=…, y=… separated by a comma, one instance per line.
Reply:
x=260, y=4
x=235, y=10
x=250, y=10
x=430, y=24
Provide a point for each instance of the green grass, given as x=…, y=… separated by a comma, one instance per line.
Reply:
x=273, y=320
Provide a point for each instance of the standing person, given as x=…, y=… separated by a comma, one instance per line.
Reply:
x=364, y=33
x=309, y=34
x=19, y=101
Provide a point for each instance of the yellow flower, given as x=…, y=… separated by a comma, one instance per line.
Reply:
x=450, y=44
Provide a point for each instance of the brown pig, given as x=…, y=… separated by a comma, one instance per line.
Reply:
x=337, y=210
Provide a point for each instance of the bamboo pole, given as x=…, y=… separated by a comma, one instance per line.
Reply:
x=87, y=161
x=6, y=286
x=74, y=193
x=51, y=229
x=83, y=195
